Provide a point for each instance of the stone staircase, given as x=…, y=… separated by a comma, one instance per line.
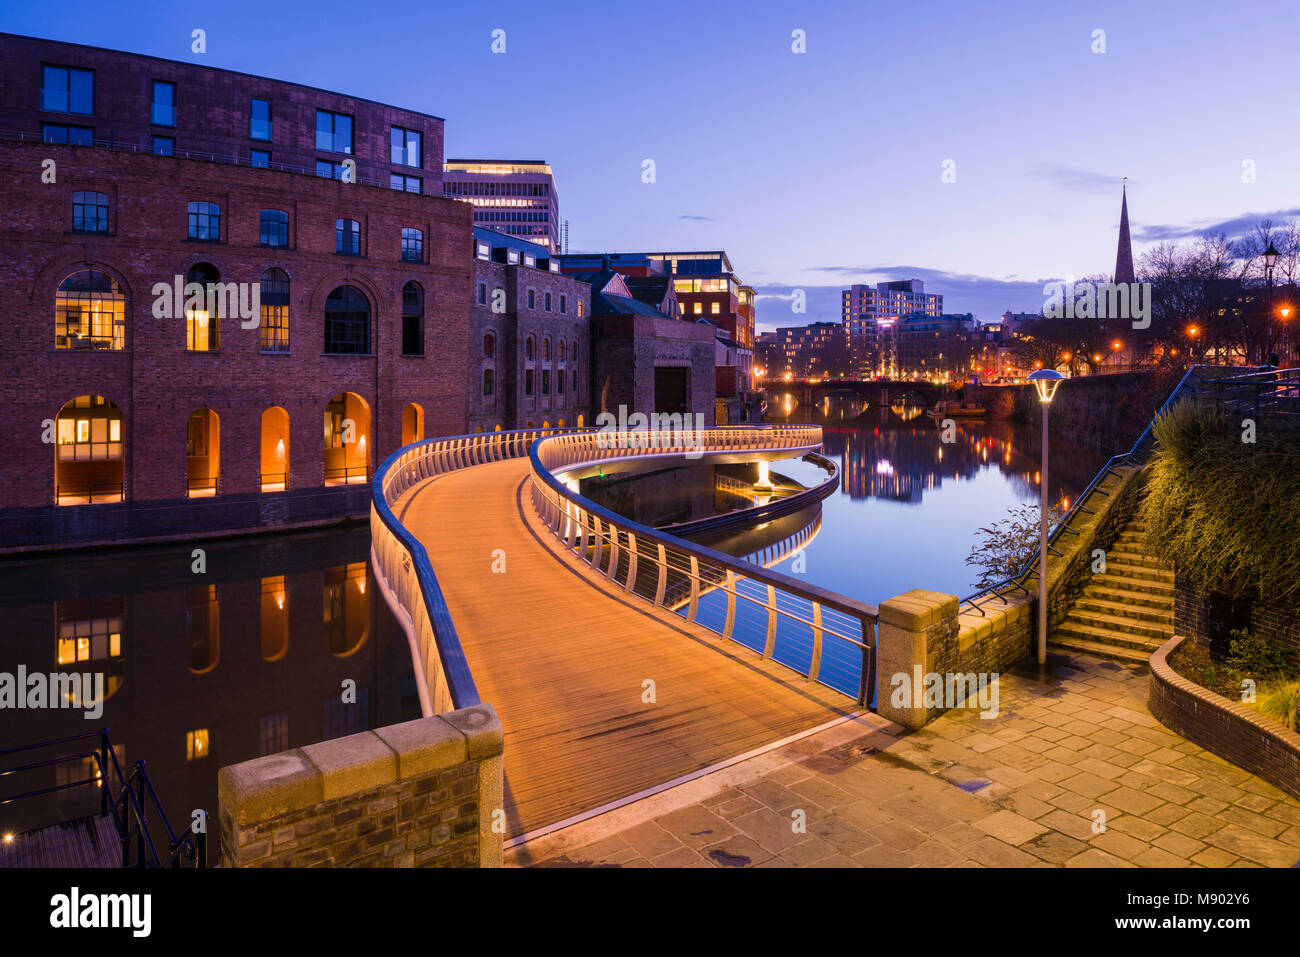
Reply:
x=1126, y=613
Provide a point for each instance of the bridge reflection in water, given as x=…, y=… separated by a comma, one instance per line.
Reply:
x=603, y=691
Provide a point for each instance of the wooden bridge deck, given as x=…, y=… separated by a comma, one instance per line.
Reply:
x=562, y=655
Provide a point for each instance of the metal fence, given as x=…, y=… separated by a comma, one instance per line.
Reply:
x=825, y=636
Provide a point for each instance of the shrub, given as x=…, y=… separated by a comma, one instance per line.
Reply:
x=1256, y=656
x=1223, y=511
x=1007, y=546
x=1283, y=703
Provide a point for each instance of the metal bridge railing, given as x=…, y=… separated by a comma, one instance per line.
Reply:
x=1136, y=457
x=825, y=636
x=402, y=566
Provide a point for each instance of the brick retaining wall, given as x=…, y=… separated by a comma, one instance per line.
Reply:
x=1231, y=730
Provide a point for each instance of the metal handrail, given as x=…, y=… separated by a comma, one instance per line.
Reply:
x=1135, y=457
x=129, y=808
x=618, y=548
x=402, y=567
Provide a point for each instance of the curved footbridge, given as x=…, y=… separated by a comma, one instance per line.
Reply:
x=618, y=658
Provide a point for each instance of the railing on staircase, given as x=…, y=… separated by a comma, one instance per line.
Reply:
x=1137, y=456
x=127, y=797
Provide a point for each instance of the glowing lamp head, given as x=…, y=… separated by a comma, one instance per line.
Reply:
x=1270, y=256
x=1046, y=382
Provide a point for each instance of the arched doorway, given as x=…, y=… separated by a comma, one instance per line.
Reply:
x=347, y=440
x=579, y=420
x=202, y=454
x=412, y=423
x=89, y=452
x=275, y=449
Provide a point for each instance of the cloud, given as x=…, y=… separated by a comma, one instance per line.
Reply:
x=1235, y=227
x=699, y=219
x=1070, y=178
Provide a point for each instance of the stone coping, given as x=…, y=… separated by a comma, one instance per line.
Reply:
x=1248, y=720
x=280, y=783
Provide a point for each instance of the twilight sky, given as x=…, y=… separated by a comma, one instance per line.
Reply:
x=820, y=169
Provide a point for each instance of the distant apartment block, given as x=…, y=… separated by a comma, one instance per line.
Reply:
x=516, y=197
x=819, y=350
x=869, y=313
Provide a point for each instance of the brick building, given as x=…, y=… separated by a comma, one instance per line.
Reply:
x=530, y=365
x=127, y=184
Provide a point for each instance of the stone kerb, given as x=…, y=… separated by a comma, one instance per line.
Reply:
x=421, y=793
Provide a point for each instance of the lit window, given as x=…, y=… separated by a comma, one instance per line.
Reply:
x=196, y=744
x=89, y=312
x=274, y=305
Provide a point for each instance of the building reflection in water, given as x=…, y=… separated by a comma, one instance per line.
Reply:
x=246, y=659
x=897, y=453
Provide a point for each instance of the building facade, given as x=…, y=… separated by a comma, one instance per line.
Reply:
x=194, y=321
x=530, y=335
x=870, y=314
x=707, y=288
x=516, y=197
x=818, y=350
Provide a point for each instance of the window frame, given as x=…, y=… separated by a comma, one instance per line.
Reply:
x=333, y=132
x=101, y=211
x=340, y=229
x=68, y=91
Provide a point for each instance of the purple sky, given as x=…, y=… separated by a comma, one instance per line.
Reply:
x=820, y=169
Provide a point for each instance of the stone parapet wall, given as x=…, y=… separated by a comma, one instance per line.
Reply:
x=424, y=793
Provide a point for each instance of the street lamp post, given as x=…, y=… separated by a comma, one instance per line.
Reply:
x=1046, y=382
x=1270, y=260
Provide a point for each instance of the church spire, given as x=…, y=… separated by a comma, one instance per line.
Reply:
x=1124, y=256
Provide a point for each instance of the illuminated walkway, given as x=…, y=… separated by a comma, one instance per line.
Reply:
x=1020, y=790
x=565, y=658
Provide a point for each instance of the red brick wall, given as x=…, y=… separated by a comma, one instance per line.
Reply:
x=212, y=109
x=155, y=381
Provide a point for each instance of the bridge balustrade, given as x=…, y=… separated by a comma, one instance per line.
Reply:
x=822, y=635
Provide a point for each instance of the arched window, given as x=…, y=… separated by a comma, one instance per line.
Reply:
x=89, y=452
x=412, y=319
x=347, y=322
x=560, y=348
x=489, y=346
x=275, y=310
x=89, y=312
x=202, y=454
x=530, y=350
x=205, y=222
x=89, y=212
x=546, y=349
x=274, y=228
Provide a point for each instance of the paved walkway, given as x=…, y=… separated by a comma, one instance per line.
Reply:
x=564, y=657
x=1019, y=790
